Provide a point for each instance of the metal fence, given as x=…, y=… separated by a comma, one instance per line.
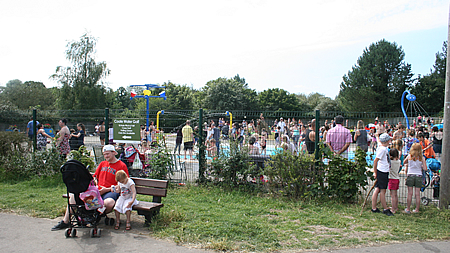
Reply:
x=185, y=169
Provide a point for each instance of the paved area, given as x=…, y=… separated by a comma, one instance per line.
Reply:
x=26, y=234
x=419, y=247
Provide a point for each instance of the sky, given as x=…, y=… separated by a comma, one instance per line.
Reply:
x=300, y=46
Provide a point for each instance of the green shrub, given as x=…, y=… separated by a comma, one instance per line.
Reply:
x=159, y=164
x=345, y=178
x=11, y=142
x=84, y=156
x=19, y=165
x=233, y=169
x=293, y=176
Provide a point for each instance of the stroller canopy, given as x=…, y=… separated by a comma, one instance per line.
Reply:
x=76, y=176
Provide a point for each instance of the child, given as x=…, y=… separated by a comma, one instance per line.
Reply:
x=263, y=141
x=381, y=167
x=127, y=198
x=212, y=148
x=414, y=165
x=394, y=179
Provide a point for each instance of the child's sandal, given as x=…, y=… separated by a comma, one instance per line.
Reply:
x=117, y=226
x=128, y=227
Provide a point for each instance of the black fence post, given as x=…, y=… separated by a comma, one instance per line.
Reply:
x=316, y=142
x=34, y=130
x=201, y=149
x=106, y=126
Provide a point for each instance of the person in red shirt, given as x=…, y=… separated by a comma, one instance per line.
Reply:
x=105, y=177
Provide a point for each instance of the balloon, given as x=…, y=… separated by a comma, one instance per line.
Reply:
x=147, y=92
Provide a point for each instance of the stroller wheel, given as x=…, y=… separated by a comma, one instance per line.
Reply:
x=73, y=233
x=99, y=232
x=93, y=232
x=109, y=221
x=67, y=232
x=424, y=201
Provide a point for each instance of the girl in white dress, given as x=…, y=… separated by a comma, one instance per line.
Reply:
x=127, y=198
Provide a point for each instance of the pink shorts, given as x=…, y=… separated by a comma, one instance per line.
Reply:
x=393, y=184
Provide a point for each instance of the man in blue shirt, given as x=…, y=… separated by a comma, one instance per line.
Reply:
x=30, y=130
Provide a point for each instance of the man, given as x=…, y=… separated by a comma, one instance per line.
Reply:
x=380, y=129
x=216, y=137
x=310, y=137
x=30, y=131
x=282, y=125
x=188, y=138
x=400, y=133
x=105, y=177
x=339, y=138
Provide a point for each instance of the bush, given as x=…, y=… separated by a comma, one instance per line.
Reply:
x=159, y=164
x=345, y=178
x=233, y=169
x=17, y=163
x=293, y=176
x=11, y=142
x=84, y=156
x=19, y=166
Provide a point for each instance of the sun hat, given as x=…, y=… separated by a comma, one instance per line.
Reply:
x=109, y=148
x=385, y=137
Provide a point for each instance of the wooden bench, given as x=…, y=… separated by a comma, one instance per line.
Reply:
x=149, y=187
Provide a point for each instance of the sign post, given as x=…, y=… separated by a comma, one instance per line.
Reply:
x=127, y=131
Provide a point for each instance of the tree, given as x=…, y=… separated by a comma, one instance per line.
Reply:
x=179, y=97
x=327, y=104
x=228, y=94
x=377, y=81
x=27, y=95
x=430, y=89
x=82, y=83
x=278, y=100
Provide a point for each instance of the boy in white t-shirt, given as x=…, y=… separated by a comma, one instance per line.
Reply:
x=381, y=167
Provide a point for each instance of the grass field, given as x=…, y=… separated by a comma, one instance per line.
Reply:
x=234, y=221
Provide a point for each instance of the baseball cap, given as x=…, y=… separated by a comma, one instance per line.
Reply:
x=109, y=148
x=385, y=137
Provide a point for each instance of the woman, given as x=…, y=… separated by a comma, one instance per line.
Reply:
x=436, y=136
x=80, y=135
x=296, y=133
x=41, y=137
x=178, y=141
x=63, y=140
x=361, y=136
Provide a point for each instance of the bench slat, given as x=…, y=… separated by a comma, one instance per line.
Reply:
x=151, y=182
x=151, y=191
x=146, y=206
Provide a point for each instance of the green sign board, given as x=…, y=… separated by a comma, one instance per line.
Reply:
x=127, y=131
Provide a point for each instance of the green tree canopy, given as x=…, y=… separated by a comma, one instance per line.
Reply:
x=377, y=81
x=228, y=94
x=430, y=89
x=27, y=95
x=278, y=100
x=82, y=83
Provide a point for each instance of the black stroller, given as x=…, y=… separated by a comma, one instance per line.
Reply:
x=77, y=179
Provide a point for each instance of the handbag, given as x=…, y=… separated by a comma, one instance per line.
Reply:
x=137, y=165
x=91, y=197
